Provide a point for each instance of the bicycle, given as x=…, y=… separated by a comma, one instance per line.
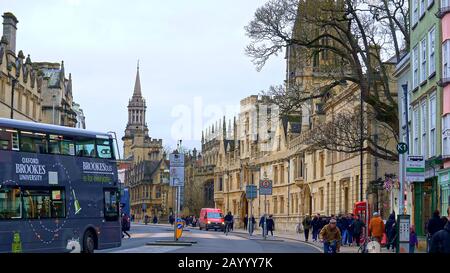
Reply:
x=227, y=228
x=369, y=245
x=331, y=247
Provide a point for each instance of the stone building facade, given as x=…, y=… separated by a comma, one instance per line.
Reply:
x=38, y=91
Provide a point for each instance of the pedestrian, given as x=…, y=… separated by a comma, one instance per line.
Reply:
x=433, y=225
x=357, y=228
x=342, y=224
x=171, y=219
x=331, y=237
x=146, y=219
x=194, y=221
x=125, y=225
x=376, y=227
x=440, y=242
x=316, y=223
x=390, y=230
x=253, y=224
x=270, y=225
x=132, y=217
x=413, y=242
x=245, y=222
x=155, y=219
x=261, y=224
x=350, y=220
x=306, y=226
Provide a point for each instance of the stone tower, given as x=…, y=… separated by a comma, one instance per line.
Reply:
x=136, y=125
x=9, y=30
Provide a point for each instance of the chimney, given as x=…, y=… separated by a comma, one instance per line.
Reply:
x=9, y=30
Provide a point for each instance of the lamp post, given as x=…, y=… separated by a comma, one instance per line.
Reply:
x=13, y=85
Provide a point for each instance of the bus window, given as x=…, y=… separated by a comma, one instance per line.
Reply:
x=61, y=145
x=104, y=148
x=85, y=147
x=44, y=203
x=9, y=139
x=10, y=204
x=33, y=142
x=111, y=205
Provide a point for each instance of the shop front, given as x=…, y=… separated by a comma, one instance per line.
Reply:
x=444, y=183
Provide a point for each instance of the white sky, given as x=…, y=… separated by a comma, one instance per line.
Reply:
x=186, y=49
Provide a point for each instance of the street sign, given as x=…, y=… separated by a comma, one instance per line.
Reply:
x=402, y=147
x=176, y=170
x=251, y=191
x=265, y=187
x=415, y=169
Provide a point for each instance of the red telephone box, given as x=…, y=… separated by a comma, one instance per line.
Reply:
x=363, y=210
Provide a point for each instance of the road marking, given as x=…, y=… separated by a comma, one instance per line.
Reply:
x=148, y=249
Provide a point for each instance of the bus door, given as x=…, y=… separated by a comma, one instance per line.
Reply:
x=111, y=228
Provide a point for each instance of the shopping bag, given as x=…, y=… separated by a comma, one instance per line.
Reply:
x=384, y=240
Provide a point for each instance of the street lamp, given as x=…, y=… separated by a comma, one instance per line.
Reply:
x=13, y=85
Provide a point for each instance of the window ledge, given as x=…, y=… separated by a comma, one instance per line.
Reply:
x=423, y=83
x=414, y=26
x=430, y=5
x=415, y=89
x=443, y=82
x=432, y=75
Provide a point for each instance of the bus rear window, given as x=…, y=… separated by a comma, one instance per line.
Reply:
x=44, y=203
x=10, y=203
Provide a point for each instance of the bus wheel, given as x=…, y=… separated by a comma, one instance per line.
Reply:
x=88, y=242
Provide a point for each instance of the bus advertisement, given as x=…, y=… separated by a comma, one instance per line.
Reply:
x=58, y=189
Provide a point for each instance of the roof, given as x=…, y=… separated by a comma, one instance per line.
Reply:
x=49, y=128
x=137, y=85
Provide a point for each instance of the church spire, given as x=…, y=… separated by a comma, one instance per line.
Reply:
x=137, y=84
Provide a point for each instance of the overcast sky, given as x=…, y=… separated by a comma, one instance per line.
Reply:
x=191, y=56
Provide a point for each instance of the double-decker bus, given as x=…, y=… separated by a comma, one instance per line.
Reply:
x=58, y=189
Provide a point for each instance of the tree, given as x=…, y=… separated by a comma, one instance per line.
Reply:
x=356, y=36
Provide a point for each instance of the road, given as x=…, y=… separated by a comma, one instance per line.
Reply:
x=207, y=242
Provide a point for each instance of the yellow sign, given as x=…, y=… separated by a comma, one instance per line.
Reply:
x=179, y=231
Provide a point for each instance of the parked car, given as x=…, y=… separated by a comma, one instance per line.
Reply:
x=211, y=219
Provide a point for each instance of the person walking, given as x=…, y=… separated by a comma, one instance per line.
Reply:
x=357, y=228
x=155, y=219
x=261, y=224
x=316, y=223
x=171, y=219
x=376, y=227
x=433, y=225
x=440, y=242
x=331, y=237
x=413, y=242
x=270, y=225
x=350, y=220
x=146, y=219
x=306, y=226
x=245, y=222
x=342, y=224
x=253, y=224
x=390, y=230
x=125, y=225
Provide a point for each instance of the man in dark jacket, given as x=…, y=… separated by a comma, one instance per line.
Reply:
x=357, y=227
x=440, y=242
x=125, y=225
x=316, y=226
x=390, y=230
x=433, y=225
x=261, y=224
x=306, y=226
x=270, y=225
